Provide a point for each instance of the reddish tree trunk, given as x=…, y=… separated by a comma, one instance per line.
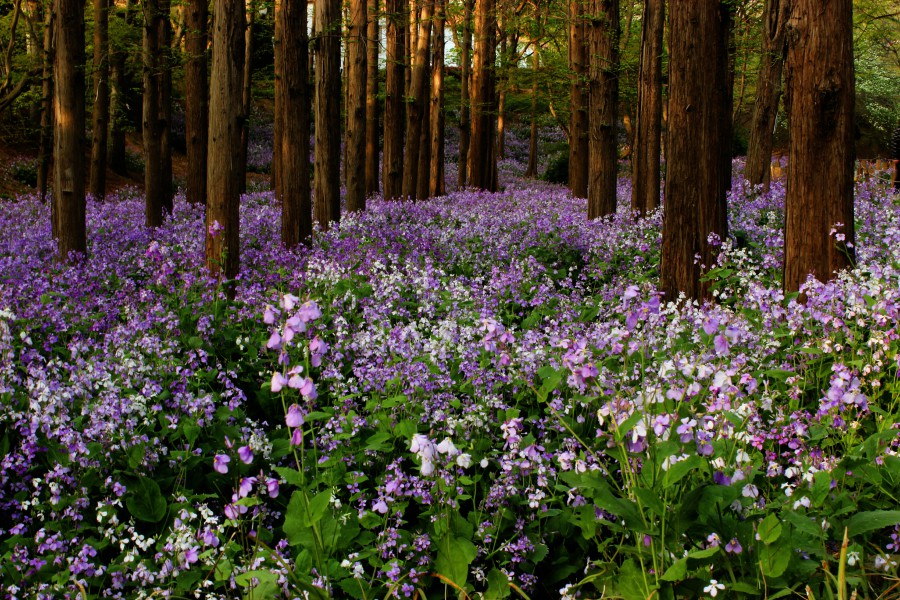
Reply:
x=356, y=107
x=436, y=185
x=647, y=146
x=579, y=120
x=327, y=175
x=482, y=157
x=415, y=107
x=393, y=102
x=371, y=149
x=100, y=113
x=196, y=103
x=465, y=103
x=604, y=97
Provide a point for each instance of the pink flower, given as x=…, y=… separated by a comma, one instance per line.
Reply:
x=294, y=417
x=220, y=463
x=245, y=454
x=278, y=382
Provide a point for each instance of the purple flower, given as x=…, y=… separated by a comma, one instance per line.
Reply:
x=294, y=417
x=191, y=555
x=220, y=463
x=272, y=487
x=278, y=382
x=309, y=311
x=720, y=342
x=733, y=547
x=245, y=454
x=246, y=486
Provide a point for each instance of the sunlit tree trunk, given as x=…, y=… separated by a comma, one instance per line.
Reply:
x=646, y=180
x=45, y=147
x=415, y=107
x=392, y=179
x=465, y=103
x=356, y=107
x=327, y=175
x=152, y=133
x=100, y=113
x=482, y=157
x=531, y=170
x=604, y=96
x=247, y=92
x=436, y=185
x=164, y=104
x=196, y=103
x=371, y=149
x=578, y=120
x=819, y=94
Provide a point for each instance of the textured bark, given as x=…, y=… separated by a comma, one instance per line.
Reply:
x=196, y=101
x=356, y=107
x=646, y=161
x=68, y=139
x=45, y=147
x=579, y=119
x=392, y=178
x=150, y=127
x=465, y=101
x=603, y=84
x=247, y=92
x=278, y=89
x=697, y=140
x=436, y=183
x=164, y=104
x=502, y=85
x=371, y=149
x=415, y=106
x=223, y=180
x=768, y=93
x=819, y=94
x=531, y=170
x=292, y=52
x=327, y=175
x=482, y=160
x=100, y=113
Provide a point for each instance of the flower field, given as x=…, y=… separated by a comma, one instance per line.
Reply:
x=476, y=396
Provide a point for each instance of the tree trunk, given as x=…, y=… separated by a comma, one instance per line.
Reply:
x=395, y=93
x=604, y=97
x=279, y=116
x=646, y=180
x=356, y=107
x=153, y=184
x=371, y=147
x=819, y=94
x=45, y=147
x=223, y=180
x=415, y=107
x=768, y=93
x=69, y=120
x=502, y=84
x=196, y=103
x=327, y=175
x=436, y=184
x=482, y=159
x=292, y=53
x=164, y=104
x=100, y=114
x=531, y=171
x=247, y=92
x=579, y=120
x=465, y=123
x=695, y=182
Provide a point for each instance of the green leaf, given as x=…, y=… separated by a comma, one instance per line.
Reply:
x=291, y=476
x=145, y=501
x=498, y=585
x=377, y=441
x=774, y=559
x=871, y=520
x=677, y=471
x=678, y=570
x=453, y=559
x=769, y=529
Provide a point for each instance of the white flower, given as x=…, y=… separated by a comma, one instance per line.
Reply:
x=713, y=588
x=464, y=460
x=447, y=447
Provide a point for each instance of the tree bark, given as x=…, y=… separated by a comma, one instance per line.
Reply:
x=392, y=178
x=45, y=147
x=69, y=121
x=819, y=94
x=154, y=190
x=100, y=113
x=436, y=183
x=697, y=140
x=164, y=104
x=768, y=93
x=371, y=148
x=356, y=107
x=531, y=170
x=482, y=159
x=247, y=92
x=647, y=142
x=604, y=97
x=292, y=53
x=415, y=107
x=279, y=116
x=223, y=180
x=327, y=176
x=465, y=122
x=579, y=119
x=196, y=102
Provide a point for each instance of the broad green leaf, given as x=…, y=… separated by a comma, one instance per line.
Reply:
x=769, y=529
x=498, y=585
x=292, y=476
x=677, y=471
x=145, y=501
x=774, y=559
x=453, y=559
x=871, y=520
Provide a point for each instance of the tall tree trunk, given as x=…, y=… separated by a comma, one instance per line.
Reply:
x=393, y=101
x=45, y=147
x=356, y=107
x=279, y=116
x=646, y=180
x=465, y=123
x=223, y=181
x=531, y=171
x=153, y=184
x=196, y=103
x=371, y=147
x=292, y=53
x=415, y=107
x=68, y=147
x=579, y=120
x=164, y=104
x=695, y=184
x=482, y=157
x=115, y=156
x=327, y=176
x=604, y=98
x=100, y=113
x=819, y=94
x=436, y=183
x=502, y=84
x=768, y=93
x=247, y=92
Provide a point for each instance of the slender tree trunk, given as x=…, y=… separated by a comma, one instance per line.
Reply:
x=502, y=84
x=356, y=107
x=579, y=120
x=68, y=147
x=646, y=181
x=436, y=183
x=153, y=184
x=292, y=52
x=196, y=100
x=371, y=147
x=279, y=116
x=695, y=182
x=115, y=156
x=768, y=93
x=327, y=176
x=415, y=107
x=819, y=94
x=247, y=92
x=482, y=157
x=100, y=113
x=531, y=171
x=223, y=181
x=164, y=104
x=465, y=122
x=45, y=148
x=394, y=100
x=604, y=98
